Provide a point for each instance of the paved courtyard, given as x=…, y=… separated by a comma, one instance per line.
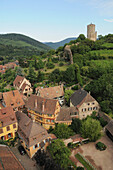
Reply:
x=101, y=160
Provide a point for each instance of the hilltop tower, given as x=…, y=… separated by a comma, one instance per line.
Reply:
x=91, y=34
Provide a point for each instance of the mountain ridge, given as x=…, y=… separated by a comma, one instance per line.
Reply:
x=55, y=45
x=20, y=40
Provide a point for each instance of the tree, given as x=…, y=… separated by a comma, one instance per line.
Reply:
x=82, y=37
x=60, y=153
x=69, y=75
x=62, y=131
x=31, y=75
x=91, y=129
x=67, y=95
x=40, y=77
x=76, y=125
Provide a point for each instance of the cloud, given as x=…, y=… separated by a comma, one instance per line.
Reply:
x=108, y=20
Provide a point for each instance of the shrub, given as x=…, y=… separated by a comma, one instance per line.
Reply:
x=75, y=87
x=101, y=146
x=50, y=65
x=61, y=64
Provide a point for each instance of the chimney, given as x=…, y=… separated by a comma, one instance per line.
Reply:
x=13, y=93
x=35, y=103
x=42, y=106
x=89, y=92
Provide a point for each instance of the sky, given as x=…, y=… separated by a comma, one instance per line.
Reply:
x=55, y=20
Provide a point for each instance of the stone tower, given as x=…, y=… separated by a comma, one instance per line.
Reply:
x=91, y=34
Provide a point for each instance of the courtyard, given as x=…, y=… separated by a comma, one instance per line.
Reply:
x=101, y=160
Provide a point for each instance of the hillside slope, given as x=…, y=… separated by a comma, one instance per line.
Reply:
x=60, y=43
x=20, y=40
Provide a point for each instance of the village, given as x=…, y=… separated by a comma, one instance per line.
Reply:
x=29, y=117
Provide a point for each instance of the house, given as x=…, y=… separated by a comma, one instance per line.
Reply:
x=33, y=137
x=109, y=129
x=84, y=103
x=8, y=160
x=12, y=98
x=8, y=123
x=43, y=110
x=56, y=92
x=23, y=85
x=66, y=114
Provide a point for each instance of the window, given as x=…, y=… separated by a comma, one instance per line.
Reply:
x=44, y=141
x=33, y=147
x=9, y=135
x=1, y=131
x=36, y=146
x=14, y=126
x=50, y=115
x=90, y=108
x=8, y=128
x=2, y=137
x=93, y=103
x=52, y=120
x=88, y=104
x=94, y=108
x=12, y=104
x=84, y=110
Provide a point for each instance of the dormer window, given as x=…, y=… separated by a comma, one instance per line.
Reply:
x=4, y=113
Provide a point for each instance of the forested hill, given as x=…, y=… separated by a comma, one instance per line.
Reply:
x=60, y=43
x=19, y=40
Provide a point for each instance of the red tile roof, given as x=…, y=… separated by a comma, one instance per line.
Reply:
x=18, y=80
x=51, y=92
x=13, y=98
x=41, y=105
x=8, y=161
x=7, y=116
x=30, y=131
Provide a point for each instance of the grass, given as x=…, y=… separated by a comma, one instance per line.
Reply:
x=108, y=45
x=61, y=68
x=105, y=52
x=84, y=163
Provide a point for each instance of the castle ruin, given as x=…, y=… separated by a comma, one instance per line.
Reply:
x=91, y=34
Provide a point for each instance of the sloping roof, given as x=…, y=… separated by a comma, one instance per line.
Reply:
x=81, y=96
x=41, y=105
x=0, y=95
x=13, y=98
x=18, y=80
x=65, y=114
x=51, y=92
x=109, y=127
x=23, y=86
x=8, y=159
x=33, y=132
x=7, y=116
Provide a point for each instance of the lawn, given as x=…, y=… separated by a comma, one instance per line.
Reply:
x=84, y=163
x=61, y=68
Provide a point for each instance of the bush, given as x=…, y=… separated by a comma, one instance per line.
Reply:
x=61, y=64
x=101, y=146
x=50, y=65
x=75, y=87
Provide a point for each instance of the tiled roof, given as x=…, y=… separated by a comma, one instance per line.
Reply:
x=51, y=92
x=30, y=131
x=7, y=116
x=41, y=105
x=8, y=160
x=13, y=98
x=109, y=127
x=24, y=86
x=81, y=96
x=65, y=114
x=0, y=95
x=18, y=80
